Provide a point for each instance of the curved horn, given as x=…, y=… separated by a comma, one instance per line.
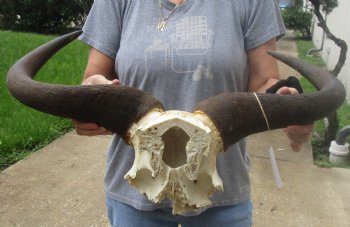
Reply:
x=114, y=108
x=238, y=114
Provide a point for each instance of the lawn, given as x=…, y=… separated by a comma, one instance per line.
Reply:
x=23, y=130
x=320, y=158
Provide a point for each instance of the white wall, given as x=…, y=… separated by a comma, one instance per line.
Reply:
x=338, y=21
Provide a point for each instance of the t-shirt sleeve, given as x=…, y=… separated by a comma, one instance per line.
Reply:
x=103, y=26
x=263, y=22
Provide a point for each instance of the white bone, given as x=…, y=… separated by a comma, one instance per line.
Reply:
x=175, y=158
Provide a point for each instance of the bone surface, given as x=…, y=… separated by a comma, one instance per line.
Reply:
x=175, y=158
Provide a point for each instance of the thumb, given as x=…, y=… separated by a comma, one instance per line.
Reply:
x=287, y=90
x=283, y=91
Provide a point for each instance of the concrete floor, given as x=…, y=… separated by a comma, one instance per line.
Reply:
x=310, y=196
x=62, y=185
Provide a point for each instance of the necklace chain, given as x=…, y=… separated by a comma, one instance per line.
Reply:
x=164, y=20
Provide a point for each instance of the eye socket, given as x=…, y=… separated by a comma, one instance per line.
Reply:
x=175, y=140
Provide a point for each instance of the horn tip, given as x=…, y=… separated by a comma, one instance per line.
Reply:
x=74, y=35
x=276, y=54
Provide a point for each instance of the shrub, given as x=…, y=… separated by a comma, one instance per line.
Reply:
x=42, y=16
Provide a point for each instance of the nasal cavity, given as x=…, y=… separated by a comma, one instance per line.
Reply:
x=175, y=140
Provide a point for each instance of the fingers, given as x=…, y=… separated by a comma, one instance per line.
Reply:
x=99, y=79
x=89, y=129
x=300, y=129
x=115, y=82
x=298, y=135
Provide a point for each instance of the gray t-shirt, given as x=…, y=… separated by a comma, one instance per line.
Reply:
x=201, y=53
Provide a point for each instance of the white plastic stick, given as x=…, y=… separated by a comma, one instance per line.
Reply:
x=275, y=171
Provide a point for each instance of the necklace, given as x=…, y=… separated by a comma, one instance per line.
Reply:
x=164, y=20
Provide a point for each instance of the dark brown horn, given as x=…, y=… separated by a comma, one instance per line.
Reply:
x=114, y=108
x=237, y=115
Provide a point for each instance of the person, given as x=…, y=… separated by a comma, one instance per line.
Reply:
x=181, y=52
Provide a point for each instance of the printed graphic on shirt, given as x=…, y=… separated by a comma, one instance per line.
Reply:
x=188, y=50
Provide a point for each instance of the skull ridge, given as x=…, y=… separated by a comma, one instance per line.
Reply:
x=175, y=158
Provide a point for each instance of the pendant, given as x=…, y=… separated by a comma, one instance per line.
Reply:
x=162, y=25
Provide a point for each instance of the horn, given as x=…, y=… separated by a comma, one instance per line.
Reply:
x=239, y=114
x=113, y=107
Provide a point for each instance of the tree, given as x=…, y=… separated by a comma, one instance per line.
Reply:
x=298, y=3
x=296, y=18
x=42, y=16
x=327, y=6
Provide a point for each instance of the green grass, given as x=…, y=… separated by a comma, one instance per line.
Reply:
x=320, y=158
x=23, y=130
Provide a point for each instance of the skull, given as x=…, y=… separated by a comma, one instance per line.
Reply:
x=175, y=158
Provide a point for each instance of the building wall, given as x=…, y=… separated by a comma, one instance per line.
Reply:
x=338, y=23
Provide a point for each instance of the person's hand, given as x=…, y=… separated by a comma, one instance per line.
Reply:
x=90, y=128
x=297, y=134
